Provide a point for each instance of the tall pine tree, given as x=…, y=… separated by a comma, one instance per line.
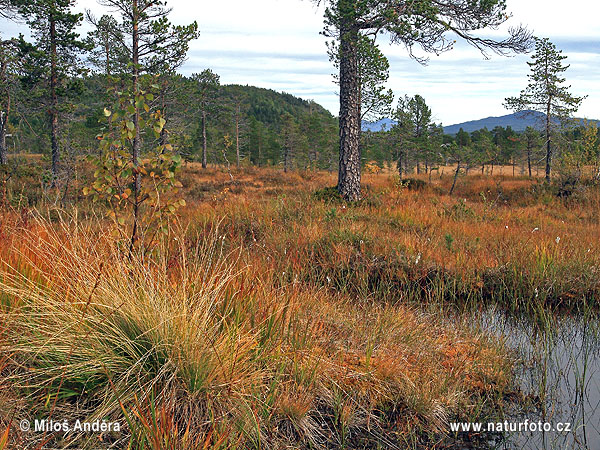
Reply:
x=418, y=23
x=58, y=55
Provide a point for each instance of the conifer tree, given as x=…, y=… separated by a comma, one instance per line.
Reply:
x=153, y=44
x=546, y=92
x=8, y=83
x=207, y=85
x=58, y=51
x=420, y=23
x=108, y=52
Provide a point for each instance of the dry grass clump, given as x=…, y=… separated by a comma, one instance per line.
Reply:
x=196, y=346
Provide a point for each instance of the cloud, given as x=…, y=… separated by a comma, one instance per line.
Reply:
x=276, y=44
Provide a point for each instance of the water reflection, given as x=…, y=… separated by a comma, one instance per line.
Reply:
x=560, y=374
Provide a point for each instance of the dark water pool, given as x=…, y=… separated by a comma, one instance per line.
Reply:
x=560, y=371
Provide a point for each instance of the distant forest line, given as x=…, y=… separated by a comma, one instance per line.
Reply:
x=269, y=128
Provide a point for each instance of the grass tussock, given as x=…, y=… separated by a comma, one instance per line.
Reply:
x=193, y=347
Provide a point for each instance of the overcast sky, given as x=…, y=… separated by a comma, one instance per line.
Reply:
x=276, y=44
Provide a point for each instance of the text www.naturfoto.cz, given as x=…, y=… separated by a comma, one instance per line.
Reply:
x=502, y=427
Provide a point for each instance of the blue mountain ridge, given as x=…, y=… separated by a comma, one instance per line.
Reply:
x=517, y=121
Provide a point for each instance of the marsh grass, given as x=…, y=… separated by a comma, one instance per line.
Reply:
x=194, y=335
x=269, y=318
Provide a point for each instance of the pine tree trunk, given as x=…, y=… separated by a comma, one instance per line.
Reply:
x=204, y=139
x=400, y=165
x=4, y=116
x=349, y=166
x=529, y=159
x=237, y=135
x=135, y=153
x=3, y=122
x=53, y=100
x=548, y=146
x=455, y=177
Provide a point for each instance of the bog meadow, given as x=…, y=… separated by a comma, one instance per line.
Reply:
x=191, y=264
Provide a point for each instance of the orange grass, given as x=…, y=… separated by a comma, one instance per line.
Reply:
x=277, y=316
x=230, y=342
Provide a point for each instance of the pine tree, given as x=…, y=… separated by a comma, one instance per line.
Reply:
x=420, y=23
x=58, y=55
x=108, y=52
x=8, y=85
x=546, y=93
x=207, y=86
x=154, y=44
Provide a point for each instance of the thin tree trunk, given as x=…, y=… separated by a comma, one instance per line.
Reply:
x=548, y=146
x=204, y=165
x=53, y=100
x=135, y=153
x=4, y=115
x=237, y=135
x=258, y=162
x=529, y=160
x=400, y=165
x=3, y=152
x=455, y=177
x=349, y=165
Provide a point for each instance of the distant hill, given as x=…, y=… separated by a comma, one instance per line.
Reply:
x=517, y=121
x=258, y=115
x=380, y=125
x=267, y=105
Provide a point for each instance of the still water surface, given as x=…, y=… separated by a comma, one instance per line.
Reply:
x=561, y=370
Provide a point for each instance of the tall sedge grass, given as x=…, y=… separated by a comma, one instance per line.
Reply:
x=197, y=346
